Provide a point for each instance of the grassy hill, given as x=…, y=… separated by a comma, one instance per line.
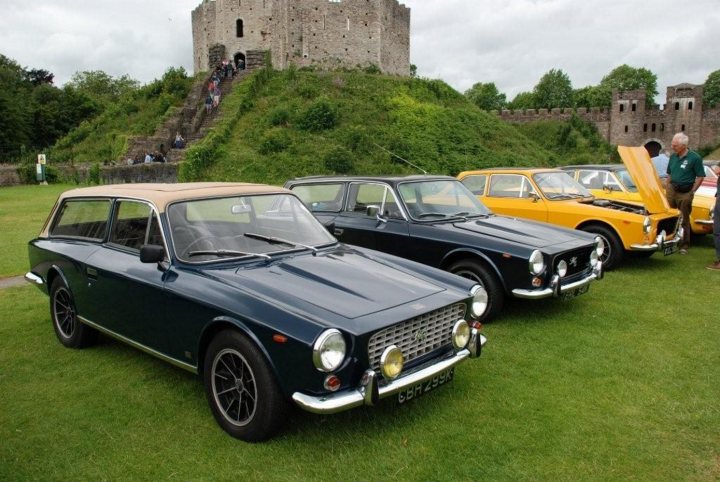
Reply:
x=140, y=112
x=278, y=125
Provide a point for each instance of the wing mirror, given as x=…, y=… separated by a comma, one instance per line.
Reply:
x=373, y=211
x=534, y=196
x=152, y=253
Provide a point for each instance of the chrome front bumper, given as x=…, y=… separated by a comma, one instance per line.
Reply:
x=369, y=391
x=556, y=288
x=31, y=277
x=660, y=243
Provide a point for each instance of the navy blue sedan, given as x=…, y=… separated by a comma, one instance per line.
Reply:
x=437, y=221
x=240, y=284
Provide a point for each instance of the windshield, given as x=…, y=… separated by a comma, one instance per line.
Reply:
x=559, y=185
x=243, y=227
x=440, y=199
x=624, y=177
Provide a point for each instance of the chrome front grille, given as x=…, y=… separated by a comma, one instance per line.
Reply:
x=417, y=336
x=668, y=225
x=578, y=260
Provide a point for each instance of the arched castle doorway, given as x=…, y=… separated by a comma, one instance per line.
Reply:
x=653, y=147
x=240, y=61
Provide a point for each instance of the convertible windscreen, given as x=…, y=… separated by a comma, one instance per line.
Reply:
x=437, y=200
x=243, y=227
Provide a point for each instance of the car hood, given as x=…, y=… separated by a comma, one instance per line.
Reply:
x=344, y=282
x=535, y=234
x=638, y=162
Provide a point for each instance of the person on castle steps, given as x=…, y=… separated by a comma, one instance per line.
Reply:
x=716, y=222
x=685, y=173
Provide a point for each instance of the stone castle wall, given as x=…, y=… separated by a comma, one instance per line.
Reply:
x=630, y=122
x=325, y=33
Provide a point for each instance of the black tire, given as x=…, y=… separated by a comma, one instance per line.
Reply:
x=241, y=388
x=614, y=251
x=478, y=272
x=69, y=330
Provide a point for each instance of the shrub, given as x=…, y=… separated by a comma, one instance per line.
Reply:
x=274, y=141
x=339, y=161
x=279, y=116
x=321, y=115
x=94, y=173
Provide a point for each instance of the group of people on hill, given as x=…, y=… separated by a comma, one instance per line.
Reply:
x=224, y=70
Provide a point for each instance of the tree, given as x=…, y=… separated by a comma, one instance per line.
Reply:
x=486, y=96
x=553, y=90
x=711, y=95
x=624, y=78
x=413, y=70
x=102, y=87
x=524, y=100
x=590, y=96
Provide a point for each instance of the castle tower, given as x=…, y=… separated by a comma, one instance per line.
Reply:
x=324, y=33
x=684, y=111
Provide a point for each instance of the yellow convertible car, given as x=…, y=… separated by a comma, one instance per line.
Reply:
x=613, y=181
x=553, y=196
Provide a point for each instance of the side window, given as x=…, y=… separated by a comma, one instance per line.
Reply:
x=82, y=218
x=591, y=179
x=363, y=195
x=321, y=197
x=510, y=185
x=135, y=224
x=476, y=184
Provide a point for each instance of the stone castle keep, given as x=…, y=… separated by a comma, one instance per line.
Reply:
x=630, y=122
x=324, y=33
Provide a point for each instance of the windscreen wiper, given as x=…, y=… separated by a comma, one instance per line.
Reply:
x=274, y=240
x=227, y=253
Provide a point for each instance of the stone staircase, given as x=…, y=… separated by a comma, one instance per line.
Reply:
x=191, y=121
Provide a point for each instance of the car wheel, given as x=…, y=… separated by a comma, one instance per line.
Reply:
x=241, y=388
x=614, y=251
x=69, y=330
x=476, y=271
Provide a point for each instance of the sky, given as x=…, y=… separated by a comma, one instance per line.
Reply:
x=509, y=42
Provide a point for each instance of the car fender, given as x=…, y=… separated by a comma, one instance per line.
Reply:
x=463, y=252
x=220, y=323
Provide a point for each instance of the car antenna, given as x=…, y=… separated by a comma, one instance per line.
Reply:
x=403, y=160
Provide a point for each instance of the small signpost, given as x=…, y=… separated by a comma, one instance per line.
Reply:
x=40, y=171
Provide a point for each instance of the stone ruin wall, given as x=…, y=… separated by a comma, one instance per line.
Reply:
x=328, y=34
x=631, y=122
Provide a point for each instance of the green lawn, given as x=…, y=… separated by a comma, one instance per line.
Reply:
x=618, y=384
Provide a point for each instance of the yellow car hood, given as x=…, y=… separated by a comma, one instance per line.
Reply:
x=637, y=160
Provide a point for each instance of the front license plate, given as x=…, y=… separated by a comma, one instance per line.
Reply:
x=424, y=387
x=669, y=249
x=576, y=292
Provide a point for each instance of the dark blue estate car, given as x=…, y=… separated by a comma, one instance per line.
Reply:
x=437, y=221
x=240, y=284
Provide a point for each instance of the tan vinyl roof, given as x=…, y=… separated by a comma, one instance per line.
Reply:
x=163, y=194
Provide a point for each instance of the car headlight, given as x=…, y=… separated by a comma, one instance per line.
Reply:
x=537, y=263
x=391, y=362
x=460, y=334
x=647, y=225
x=479, y=301
x=599, y=246
x=562, y=268
x=329, y=350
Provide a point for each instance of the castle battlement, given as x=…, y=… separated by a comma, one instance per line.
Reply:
x=631, y=122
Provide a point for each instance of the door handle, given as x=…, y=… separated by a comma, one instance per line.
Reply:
x=338, y=231
x=91, y=272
